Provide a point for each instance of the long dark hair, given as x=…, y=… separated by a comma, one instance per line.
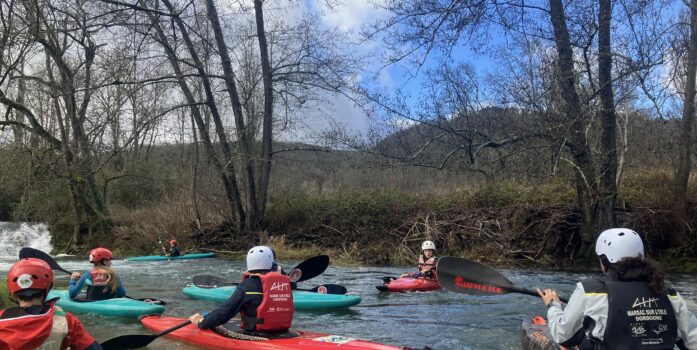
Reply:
x=637, y=269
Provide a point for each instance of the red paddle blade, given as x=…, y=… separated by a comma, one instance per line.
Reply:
x=469, y=277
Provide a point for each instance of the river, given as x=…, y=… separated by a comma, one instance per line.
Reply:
x=441, y=320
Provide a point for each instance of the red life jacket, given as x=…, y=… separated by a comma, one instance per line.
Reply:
x=275, y=313
x=99, y=278
x=27, y=332
x=427, y=270
x=99, y=290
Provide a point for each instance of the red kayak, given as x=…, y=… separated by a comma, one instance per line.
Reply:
x=409, y=284
x=304, y=340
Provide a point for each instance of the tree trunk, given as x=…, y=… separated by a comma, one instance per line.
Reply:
x=243, y=213
x=682, y=176
x=605, y=209
x=229, y=182
x=267, y=129
x=577, y=143
x=19, y=116
x=194, y=176
x=244, y=138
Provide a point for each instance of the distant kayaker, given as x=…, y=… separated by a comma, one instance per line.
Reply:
x=629, y=308
x=37, y=323
x=173, y=249
x=427, y=261
x=103, y=281
x=263, y=298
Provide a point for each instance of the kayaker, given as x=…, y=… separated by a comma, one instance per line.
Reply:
x=173, y=249
x=427, y=261
x=36, y=323
x=263, y=298
x=631, y=303
x=103, y=281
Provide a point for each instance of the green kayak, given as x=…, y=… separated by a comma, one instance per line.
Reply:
x=119, y=307
x=162, y=257
x=302, y=300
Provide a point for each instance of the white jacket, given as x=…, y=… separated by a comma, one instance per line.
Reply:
x=567, y=323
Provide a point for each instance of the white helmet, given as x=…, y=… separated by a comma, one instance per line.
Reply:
x=618, y=243
x=428, y=245
x=260, y=258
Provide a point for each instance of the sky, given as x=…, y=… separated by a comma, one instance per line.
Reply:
x=350, y=16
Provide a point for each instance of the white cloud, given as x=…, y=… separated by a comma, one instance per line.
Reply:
x=349, y=15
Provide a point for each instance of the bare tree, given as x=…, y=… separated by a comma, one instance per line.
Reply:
x=573, y=92
x=688, y=118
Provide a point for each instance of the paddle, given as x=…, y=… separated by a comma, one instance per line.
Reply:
x=138, y=341
x=309, y=268
x=159, y=241
x=468, y=277
x=209, y=281
x=27, y=252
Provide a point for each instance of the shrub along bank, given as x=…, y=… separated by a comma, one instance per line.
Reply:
x=4, y=297
x=503, y=224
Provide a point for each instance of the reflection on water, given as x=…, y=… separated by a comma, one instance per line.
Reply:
x=441, y=320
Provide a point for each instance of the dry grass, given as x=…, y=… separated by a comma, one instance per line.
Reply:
x=4, y=297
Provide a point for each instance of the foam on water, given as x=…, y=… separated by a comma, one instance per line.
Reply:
x=15, y=235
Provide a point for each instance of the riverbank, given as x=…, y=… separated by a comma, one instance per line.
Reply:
x=4, y=297
x=502, y=224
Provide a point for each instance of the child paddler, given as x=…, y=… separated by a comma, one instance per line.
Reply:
x=263, y=298
x=427, y=262
x=36, y=323
x=103, y=282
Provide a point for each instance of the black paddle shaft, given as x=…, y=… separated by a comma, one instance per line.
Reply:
x=469, y=277
x=138, y=341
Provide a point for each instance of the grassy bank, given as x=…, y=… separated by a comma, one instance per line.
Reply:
x=4, y=297
x=503, y=224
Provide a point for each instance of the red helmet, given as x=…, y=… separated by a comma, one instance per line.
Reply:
x=30, y=273
x=174, y=241
x=99, y=254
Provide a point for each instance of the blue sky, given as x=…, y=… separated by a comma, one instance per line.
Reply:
x=350, y=16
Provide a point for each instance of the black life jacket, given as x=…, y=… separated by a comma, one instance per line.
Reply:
x=638, y=318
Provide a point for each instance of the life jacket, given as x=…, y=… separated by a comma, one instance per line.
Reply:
x=427, y=270
x=637, y=318
x=99, y=290
x=25, y=331
x=275, y=313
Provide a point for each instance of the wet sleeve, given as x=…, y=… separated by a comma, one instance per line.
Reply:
x=687, y=322
x=75, y=287
x=226, y=311
x=120, y=291
x=567, y=324
x=78, y=338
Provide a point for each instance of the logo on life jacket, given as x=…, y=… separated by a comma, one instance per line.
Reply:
x=461, y=283
x=661, y=328
x=638, y=330
x=280, y=286
x=100, y=277
x=24, y=281
x=645, y=302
